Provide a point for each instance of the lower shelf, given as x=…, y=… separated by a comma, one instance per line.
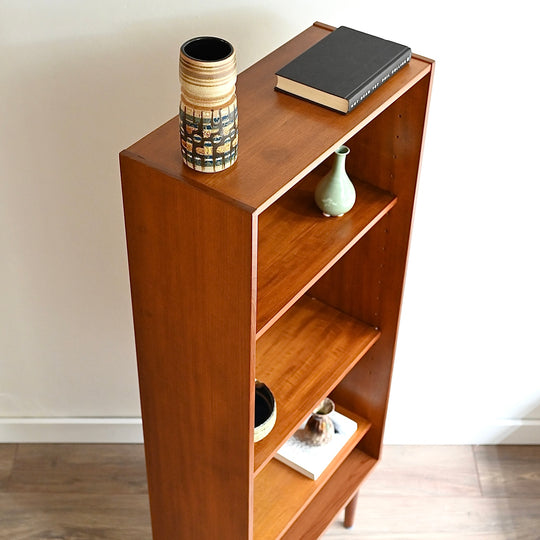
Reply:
x=333, y=496
x=282, y=494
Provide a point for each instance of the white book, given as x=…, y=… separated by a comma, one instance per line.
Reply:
x=309, y=460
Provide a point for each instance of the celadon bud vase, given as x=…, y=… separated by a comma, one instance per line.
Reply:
x=208, y=109
x=335, y=194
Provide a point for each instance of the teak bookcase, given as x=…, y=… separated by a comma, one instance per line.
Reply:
x=237, y=275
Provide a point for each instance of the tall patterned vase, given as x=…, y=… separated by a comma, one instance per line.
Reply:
x=208, y=111
x=335, y=193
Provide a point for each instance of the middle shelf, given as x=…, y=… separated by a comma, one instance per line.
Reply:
x=301, y=358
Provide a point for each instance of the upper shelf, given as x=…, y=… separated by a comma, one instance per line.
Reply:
x=268, y=121
x=297, y=244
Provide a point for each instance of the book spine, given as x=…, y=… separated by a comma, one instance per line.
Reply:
x=382, y=77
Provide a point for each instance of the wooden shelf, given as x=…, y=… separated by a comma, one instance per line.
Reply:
x=301, y=359
x=297, y=243
x=332, y=497
x=281, y=493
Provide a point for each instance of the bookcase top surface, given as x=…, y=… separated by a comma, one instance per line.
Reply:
x=281, y=137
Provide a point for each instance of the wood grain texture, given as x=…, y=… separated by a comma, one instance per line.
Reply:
x=269, y=165
x=7, y=458
x=297, y=243
x=74, y=491
x=281, y=493
x=509, y=471
x=74, y=516
x=394, y=502
x=336, y=493
x=442, y=518
x=75, y=468
x=424, y=471
x=350, y=512
x=191, y=294
x=301, y=358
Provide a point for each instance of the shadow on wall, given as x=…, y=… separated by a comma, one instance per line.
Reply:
x=526, y=430
x=68, y=108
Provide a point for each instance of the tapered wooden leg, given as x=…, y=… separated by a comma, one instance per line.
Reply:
x=350, y=511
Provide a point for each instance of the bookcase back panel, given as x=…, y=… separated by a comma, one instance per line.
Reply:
x=368, y=281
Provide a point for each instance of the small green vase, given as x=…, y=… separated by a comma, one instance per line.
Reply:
x=335, y=193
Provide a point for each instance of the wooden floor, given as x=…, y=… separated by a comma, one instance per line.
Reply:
x=85, y=492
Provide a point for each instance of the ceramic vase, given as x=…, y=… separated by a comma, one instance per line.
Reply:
x=320, y=428
x=335, y=193
x=208, y=110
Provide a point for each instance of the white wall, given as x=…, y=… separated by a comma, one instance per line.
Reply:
x=79, y=81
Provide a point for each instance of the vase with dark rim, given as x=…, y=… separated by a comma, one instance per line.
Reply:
x=208, y=109
x=319, y=428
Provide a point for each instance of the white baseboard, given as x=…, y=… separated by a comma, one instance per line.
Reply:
x=71, y=430
x=518, y=432
x=129, y=430
x=501, y=431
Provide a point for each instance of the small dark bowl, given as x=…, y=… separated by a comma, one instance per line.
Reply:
x=265, y=411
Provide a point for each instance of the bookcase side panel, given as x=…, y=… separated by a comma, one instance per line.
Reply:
x=368, y=281
x=191, y=272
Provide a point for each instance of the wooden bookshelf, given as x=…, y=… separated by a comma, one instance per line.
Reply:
x=236, y=276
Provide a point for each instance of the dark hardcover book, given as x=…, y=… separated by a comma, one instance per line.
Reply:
x=342, y=69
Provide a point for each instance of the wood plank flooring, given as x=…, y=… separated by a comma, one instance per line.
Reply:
x=83, y=492
x=450, y=493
